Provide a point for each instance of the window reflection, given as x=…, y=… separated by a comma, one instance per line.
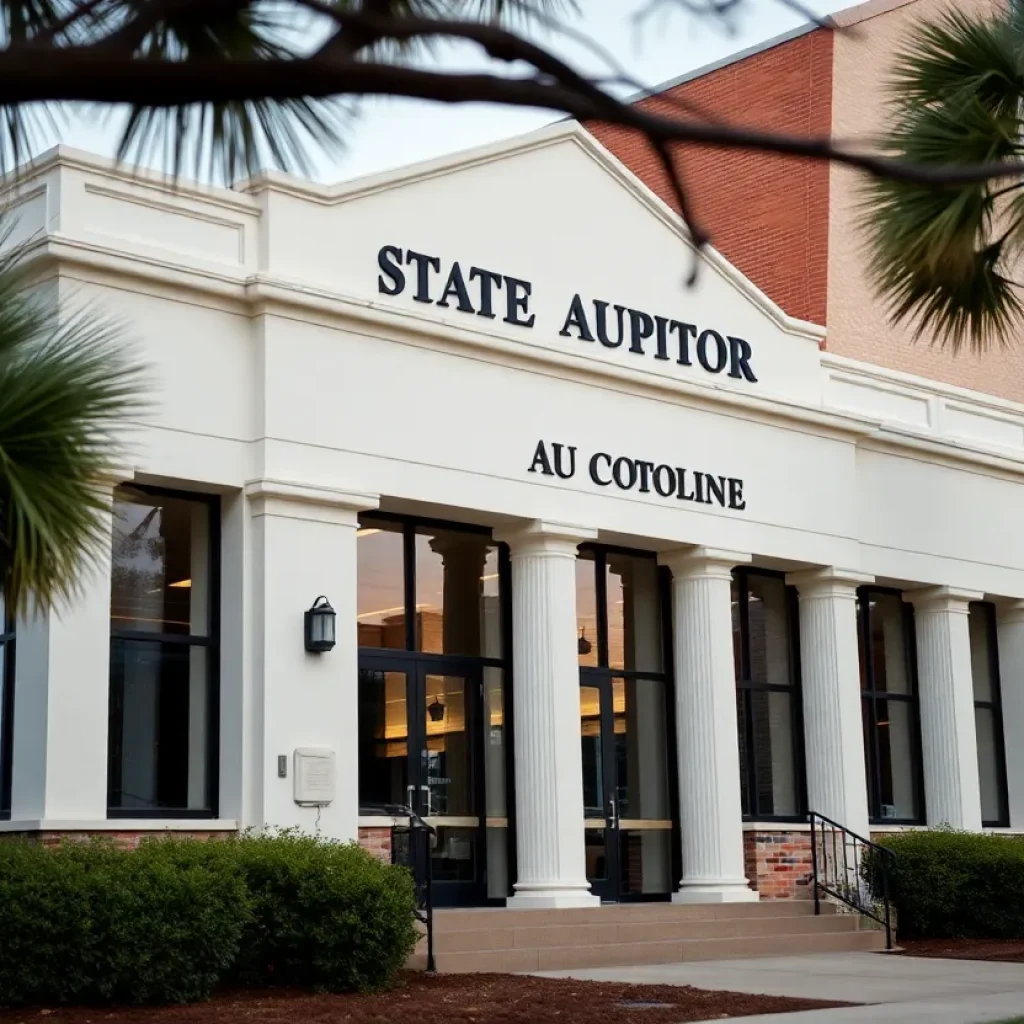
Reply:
x=380, y=577
x=634, y=613
x=586, y=608
x=160, y=566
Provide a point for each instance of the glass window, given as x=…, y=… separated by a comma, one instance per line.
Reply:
x=770, y=738
x=450, y=578
x=988, y=716
x=6, y=708
x=163, y=659
x=380, y=576
x=586, y=608
x=890, y=709
x=634, y=613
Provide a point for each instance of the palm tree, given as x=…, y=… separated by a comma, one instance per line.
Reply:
x=67, y=384
x=946, y=259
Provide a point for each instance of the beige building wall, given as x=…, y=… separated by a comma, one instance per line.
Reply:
x=867, y=39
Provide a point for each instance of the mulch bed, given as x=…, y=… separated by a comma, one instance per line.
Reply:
x=447, y=999
x=1008, y=950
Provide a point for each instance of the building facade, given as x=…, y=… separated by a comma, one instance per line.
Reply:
x=629, y=576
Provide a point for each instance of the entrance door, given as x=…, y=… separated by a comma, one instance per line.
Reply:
x=423, y=753
x=626, y=796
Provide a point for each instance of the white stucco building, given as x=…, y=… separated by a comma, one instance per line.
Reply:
x=628, y=576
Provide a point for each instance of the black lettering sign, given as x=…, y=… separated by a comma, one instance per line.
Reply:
x=612, y=325
x=551, y=458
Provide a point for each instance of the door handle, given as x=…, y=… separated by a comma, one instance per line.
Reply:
x=426, y=789
x=409, y=791
x=613, y=817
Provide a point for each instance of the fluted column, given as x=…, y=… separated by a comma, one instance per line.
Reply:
x=949, y=744
x=709, y=772
x=830, y=685
x=1010, y=630
x=546, y=700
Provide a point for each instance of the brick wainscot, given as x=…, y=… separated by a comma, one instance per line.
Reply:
x=778, y=864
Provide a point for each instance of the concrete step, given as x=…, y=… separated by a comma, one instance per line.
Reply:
x=658, y=951
x=479, y=919
x=526, y=936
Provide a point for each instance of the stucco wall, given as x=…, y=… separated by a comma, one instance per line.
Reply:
x=857, y=323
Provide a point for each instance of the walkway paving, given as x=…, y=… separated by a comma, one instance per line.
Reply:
x=900, y=989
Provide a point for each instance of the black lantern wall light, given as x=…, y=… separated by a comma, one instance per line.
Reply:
x=321, y=626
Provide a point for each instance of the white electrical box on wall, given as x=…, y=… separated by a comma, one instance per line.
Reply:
x=314, y=776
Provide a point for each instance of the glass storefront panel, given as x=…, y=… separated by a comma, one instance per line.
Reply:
x=449, y=761
x=596, y=853
x=380, y=584
x=775, y=774
x=645, y=862
x=982, y=668
x=586, y=609
x=593, y=753
x=897, y=761
x=889, y=641
x=160, y=564
x=768, y=625
x=641, y=748
x=383, y=738
x=634, y=613
x=160, y=727
x=454, y=856
x=993, y=797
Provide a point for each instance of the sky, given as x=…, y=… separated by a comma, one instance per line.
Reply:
x=669, y=41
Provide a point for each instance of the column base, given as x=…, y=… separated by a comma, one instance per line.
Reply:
x=710, y=892
x=552, y=899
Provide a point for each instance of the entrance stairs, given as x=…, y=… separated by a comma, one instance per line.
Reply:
x=619, y=935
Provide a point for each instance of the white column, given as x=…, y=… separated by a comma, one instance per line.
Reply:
x=949, y=742
x=546, y=701
x=830, y=684
x=61, y=706
x=1010, y=628
x=709, y=771
x=303, y=545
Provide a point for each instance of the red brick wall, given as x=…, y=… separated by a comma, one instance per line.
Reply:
x=377, y=841
x=778, y=864
x=767, y=215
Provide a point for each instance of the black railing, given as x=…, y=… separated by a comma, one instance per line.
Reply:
x=412, y=846
x=852, y=870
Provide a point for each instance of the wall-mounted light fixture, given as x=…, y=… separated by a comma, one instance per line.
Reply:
x=321, y=626
x=436, y=711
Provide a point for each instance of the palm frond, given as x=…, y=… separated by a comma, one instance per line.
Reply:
x=942, y=258
x=66, y=385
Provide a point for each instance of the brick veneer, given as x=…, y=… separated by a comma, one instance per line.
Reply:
x=376, y=841
x=778, y=864
x=766, y=214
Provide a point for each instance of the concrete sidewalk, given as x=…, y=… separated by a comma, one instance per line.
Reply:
x=899, y=989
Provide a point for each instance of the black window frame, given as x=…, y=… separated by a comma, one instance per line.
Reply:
x=870, y=698
x=410, y=524
x=746, y=685
x=996, y=707
x=602, y=670
x=7, y=644
x=211, y=641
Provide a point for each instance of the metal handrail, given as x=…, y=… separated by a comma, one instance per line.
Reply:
x=417, y=827
x=847, y=882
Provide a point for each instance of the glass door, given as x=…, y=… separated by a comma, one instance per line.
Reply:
x=626, y=795
x=419, y=747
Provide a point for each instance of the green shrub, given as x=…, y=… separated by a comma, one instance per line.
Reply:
x=87, y=922
x=947, y=884
x=325, y=915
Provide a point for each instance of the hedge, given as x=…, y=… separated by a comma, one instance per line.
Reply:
x=947, y=884
x=87, y=922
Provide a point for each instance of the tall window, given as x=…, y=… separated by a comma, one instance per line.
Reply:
x=988, y=715
x=6, y=707
x=892, y=732
x=163, y=655
x=764, y=629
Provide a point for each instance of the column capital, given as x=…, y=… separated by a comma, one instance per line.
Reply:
x=702, y=562
x=1009, y=610
x=541, y=536
x=308, y=501
x=828, y=581
x=942, y=599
